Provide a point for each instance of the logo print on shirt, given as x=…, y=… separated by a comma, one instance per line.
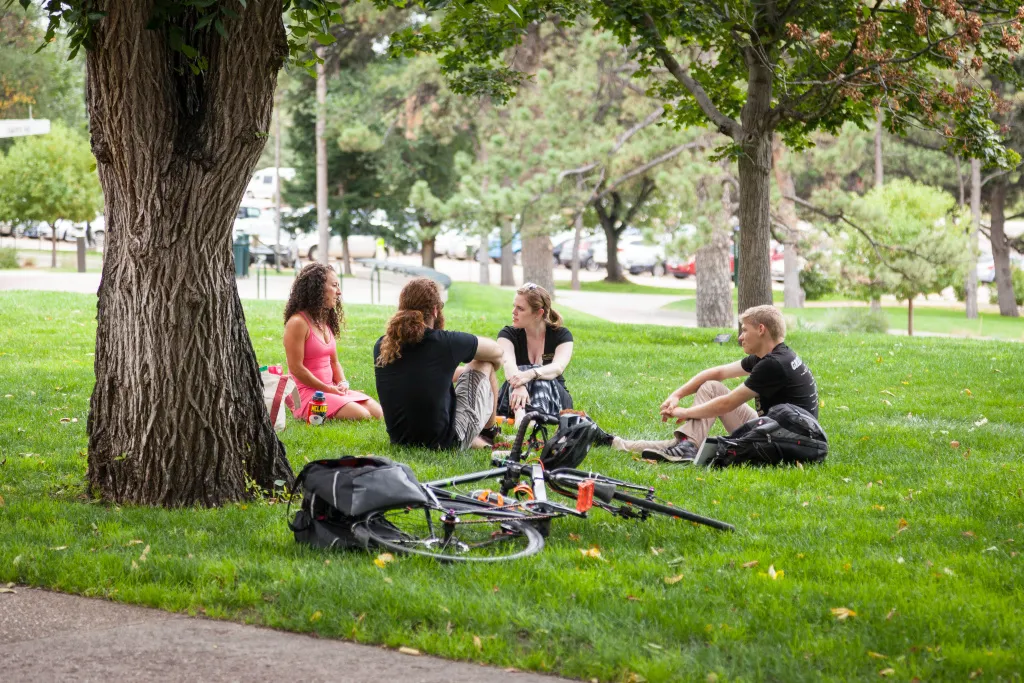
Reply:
x=796, y=363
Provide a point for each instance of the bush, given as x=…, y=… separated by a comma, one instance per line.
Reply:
x=816, y=284
x=1017, y=277
x=847, y=320
x=8, y=258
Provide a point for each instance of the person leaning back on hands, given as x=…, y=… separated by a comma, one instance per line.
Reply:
x=775, y=374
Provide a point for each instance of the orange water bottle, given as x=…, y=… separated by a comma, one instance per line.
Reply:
x=318, y=409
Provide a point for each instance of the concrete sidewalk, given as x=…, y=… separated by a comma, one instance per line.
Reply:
x=48, y=636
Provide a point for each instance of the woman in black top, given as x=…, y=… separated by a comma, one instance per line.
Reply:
x=536, y=347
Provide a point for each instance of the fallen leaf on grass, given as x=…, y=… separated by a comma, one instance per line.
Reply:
x=633, y=598
x=877, y=655
x=843, y=613
x=880, y=508
x=954, y=444
x=388, y=579
x=804, y=504
x=748, y=565
x=477, y=643
x=574, y=537
x=409, y=651
x=902, y=526
x=656, y=551
x=316, y=616
x=592, y=552
x=673, y=579
x=968, y=392
x=1, y=501
x=891, y=614
x=887, y=672
x=133, y=542
x=975, y=674
x=948, y=572
x=969, y=534
x=775, y=575
x=60, y=547
x=383, y=559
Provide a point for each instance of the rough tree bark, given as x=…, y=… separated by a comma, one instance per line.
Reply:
x=1001, y=250
x=427, y=252
x=755, y=166
x=714, y=291
x=536, y=251
x=793, y=294
x=177, y=415
x=322, y=212
x=507, y=259
x=536, y=258
x=879, y=171
x=971, y=280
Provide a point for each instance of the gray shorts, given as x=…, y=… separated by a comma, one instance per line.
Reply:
x=474, y=402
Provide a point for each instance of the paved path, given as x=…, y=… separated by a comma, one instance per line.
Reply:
x=48, y=636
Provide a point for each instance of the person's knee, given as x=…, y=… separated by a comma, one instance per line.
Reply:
x=374, y=409
x=711, y=389
x=481, y=366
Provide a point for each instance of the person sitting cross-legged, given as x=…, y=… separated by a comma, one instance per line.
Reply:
x=417, y=361
x=775, y=374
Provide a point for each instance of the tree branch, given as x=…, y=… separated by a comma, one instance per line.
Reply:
x=724, y=124
x=643, y=168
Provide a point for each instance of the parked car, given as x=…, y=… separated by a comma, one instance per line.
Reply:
x=456, y=245
x=987, y=266
x=359, y=246
x=636, y=256
x=494, y=248
x=683, y=268
x=593, y=253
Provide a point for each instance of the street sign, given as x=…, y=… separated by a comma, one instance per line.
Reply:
x=16, y=128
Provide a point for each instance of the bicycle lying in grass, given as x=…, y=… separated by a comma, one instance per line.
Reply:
x=510, y=521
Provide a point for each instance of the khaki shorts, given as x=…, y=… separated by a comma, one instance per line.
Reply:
x=474, y=403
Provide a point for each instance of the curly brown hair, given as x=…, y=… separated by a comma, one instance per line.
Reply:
x=416, y=305
x=307, y=296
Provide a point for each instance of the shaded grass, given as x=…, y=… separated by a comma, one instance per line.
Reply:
x=931, y=319
x=891, y=406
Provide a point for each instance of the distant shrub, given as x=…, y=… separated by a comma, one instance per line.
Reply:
x=1017, y=276
x=816, y=284
x=857, y=319
x=8, y=258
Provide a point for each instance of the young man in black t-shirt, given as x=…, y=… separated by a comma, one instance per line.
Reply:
x=776, y=375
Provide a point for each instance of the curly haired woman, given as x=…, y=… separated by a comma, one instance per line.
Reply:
x=312, y=318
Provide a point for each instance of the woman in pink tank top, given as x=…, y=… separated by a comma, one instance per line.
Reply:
x=312, y=318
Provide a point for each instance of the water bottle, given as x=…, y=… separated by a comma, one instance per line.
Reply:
x=318, y=409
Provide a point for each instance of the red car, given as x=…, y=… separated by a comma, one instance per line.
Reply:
x=681, y=268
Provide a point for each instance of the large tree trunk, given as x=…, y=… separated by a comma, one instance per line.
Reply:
x=714, y=290
x=577, y=237
x=879, y=173
x=613, y=267
x=910, y=317
x=971, y=280
x=346, y=256
x=177, y=415
x=484, y=259
x=508, y=277
x=793, y=294
x=536, y=258
x=322, y=214
x=1001, y=251
x=427, y=252
x=53, y=244
x=755, y=164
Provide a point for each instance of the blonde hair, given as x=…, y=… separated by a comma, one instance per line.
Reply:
x=416, y=304
x=769, y=316
x=537, y=298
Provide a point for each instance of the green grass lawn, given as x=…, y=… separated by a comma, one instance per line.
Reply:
x=632, y=287
x=929, y=319
x=690, y=302
x=921, y=539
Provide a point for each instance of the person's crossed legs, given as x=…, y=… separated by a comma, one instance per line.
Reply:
x=476, y=392
x=696, y=430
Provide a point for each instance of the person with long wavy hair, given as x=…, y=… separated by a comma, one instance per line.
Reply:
x=312, y=318
x=417, y=361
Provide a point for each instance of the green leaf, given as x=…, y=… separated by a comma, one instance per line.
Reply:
x=189, y=51
x=325, y=38
x=205, y=20
x=219, y=25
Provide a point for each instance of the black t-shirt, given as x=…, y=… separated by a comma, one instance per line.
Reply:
x=781, y=377
x=553, y=338
x=416, y=391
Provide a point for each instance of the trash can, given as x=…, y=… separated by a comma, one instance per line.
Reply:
x=240, y=249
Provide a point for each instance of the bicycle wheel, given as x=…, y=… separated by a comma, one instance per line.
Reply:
x=455, y=532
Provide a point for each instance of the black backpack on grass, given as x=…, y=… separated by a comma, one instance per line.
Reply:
x=786, y=434
x=340, y=492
